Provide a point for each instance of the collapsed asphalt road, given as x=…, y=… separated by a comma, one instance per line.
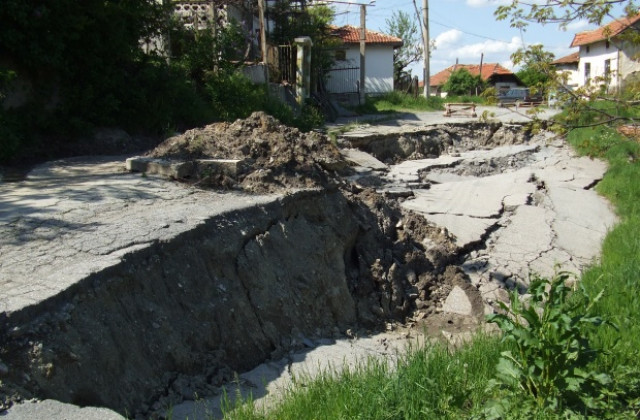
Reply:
x=106, y=265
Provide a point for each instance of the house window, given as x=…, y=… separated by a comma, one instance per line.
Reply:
x=341, y=55
x=606, y=44
x=587, y=73
x=607, y=72
x=587, y=49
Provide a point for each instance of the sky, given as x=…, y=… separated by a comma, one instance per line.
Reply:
x=464, y=29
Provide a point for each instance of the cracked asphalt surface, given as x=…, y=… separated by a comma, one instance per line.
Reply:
x=70, y=218
x=73, y=217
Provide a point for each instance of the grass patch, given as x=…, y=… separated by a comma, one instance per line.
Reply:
x=430, y=382
x=618, y=273
x=399, y=101
x=402, y=102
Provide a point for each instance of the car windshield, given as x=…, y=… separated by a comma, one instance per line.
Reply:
x=517, y=92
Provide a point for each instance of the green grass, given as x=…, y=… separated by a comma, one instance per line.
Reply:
x=430, y=382
x=435, y=383
x=398, y=101
x=618, y=273
x=402, y=102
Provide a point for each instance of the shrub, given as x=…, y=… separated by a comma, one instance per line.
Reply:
x=550, y=364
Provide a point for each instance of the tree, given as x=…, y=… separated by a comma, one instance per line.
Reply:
x=561, y=12
x=461, y=82
x=292, y=19
x=402, y=26
x=583, y=110
x=536, y=67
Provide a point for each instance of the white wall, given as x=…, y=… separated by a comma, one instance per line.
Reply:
x=596, y=55
x=378, y=68
x=572, y=74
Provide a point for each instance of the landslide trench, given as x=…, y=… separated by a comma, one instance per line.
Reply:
x=178, y=318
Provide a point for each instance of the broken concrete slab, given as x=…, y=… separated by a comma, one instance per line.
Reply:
x=527, y=235
x=58, y=234
x=162, y=167
x=200, y=168
x=481, y=198
x=409, y=170
x=458, y=302
x=363, y=159
x=56, y=410
x=467, y=230
x=570, y=171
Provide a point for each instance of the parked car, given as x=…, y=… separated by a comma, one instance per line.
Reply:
x=518, y=95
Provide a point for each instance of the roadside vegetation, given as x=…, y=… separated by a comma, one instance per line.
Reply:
x=89, y=73
x=400, y=101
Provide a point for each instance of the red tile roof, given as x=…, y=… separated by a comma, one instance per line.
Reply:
x=569, y=59
x=351, y=35
x=604, y=32
x=488, y=70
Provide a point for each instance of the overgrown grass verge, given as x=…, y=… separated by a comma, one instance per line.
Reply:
x=399, y=102
x=476, y=382
x=431, y=382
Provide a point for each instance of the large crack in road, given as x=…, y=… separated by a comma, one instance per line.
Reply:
x=137, y=293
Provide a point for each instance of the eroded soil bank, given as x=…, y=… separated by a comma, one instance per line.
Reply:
x=337, y=250
x=220, y=298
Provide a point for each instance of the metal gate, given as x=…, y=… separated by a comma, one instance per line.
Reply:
x=343, y=80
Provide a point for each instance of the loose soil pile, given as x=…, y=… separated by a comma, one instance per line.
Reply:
x=274, y=157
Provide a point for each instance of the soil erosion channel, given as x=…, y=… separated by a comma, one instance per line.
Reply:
x=249, y=247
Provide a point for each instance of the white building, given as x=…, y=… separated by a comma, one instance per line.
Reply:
x=606, y=58
x=345, y=74
x=568, y=68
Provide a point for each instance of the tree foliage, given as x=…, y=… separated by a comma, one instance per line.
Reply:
x=291, y=19
x=402, y=26
x=536, y=67
x=562, y=12
x=581, y=101
x=68, y=67
x=461, y=82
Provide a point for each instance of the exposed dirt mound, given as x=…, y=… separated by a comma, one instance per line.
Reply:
x=273, y=156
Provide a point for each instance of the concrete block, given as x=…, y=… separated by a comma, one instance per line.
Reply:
x=206, y=167
x=162, y=167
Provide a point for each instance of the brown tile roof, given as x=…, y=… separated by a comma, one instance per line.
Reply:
x=568, y=59
x=351, y=35
x=604, y=32
x=488, y=70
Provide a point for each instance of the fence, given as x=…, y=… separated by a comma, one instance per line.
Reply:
x=284, y=59
x=343, y=80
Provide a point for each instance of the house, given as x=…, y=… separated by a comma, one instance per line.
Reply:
x=345, y=74
x=605, y=56
x=568, y=67
x=494, y=74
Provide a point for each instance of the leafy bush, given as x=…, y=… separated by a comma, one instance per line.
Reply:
x=550, y=365
x=232, y=95
x=461, y=82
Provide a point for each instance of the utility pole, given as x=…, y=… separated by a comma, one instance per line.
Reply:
x=363, y=43
x=425, y=39
x=263, y=41
x=363, y=39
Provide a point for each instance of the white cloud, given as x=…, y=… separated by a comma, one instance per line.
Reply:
x=484, y=3
x=507, y=64
x=488, y=47
x=577, y=26
x=448, y=38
